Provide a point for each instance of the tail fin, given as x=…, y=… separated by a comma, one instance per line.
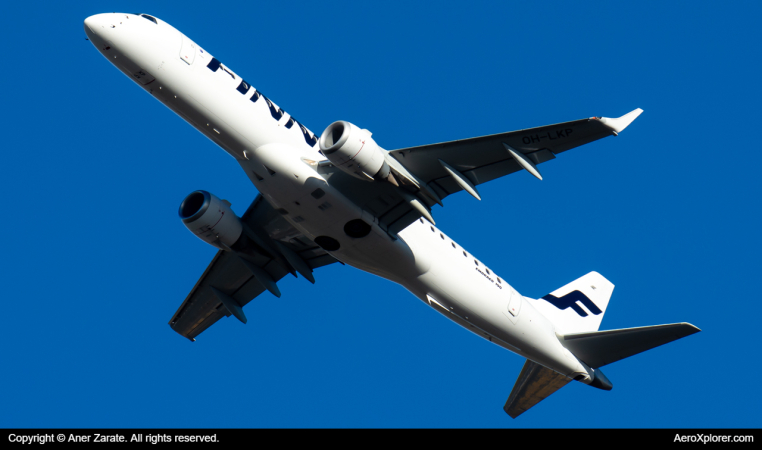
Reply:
x=579, y=306
x=598, y=348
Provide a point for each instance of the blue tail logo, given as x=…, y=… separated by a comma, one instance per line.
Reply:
x=570, y=301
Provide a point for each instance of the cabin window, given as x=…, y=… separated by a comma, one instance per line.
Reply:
x=442, y=236
x=465, y=254
x=488, y=272
x=476, y=262
x=432, y=229
x=146, y=16
x=453, y=245
x=498, y=280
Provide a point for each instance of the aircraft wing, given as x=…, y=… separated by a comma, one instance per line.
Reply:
x=485, y=158
x=234, y=278
x=429, y=173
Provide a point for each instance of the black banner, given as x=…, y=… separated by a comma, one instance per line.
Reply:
x=214, y=437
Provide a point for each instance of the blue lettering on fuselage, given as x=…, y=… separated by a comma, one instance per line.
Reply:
x=276, y=112
x=214, y=64
x=243, y=88
x=309, y=138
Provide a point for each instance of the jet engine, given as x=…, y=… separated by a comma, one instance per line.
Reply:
x=211, y=219
x=352, y=150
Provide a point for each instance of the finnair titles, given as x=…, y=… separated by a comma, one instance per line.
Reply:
x=341, y=197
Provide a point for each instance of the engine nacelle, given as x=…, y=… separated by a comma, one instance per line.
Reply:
x=211, y=219
x=352, y=150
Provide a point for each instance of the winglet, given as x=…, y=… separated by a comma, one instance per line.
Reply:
x=621, y=123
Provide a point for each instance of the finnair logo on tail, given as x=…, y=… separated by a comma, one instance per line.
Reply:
x=570, y=301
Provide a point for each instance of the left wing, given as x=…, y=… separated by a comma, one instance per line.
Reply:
x=230, y=282
x=429, y=173
x=485, y=158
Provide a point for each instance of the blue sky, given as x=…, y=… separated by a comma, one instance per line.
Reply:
x=95, y=260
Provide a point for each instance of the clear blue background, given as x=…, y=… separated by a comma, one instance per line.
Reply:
x=95, y=260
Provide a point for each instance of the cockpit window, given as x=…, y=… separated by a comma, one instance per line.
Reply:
x=149, y=18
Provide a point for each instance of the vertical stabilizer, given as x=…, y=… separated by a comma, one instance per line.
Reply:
x=579, y=306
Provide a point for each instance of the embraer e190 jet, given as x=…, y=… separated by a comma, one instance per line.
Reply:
x=341, y=197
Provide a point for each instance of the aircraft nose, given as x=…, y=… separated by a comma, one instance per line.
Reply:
x=93, y=22
x=94, y=25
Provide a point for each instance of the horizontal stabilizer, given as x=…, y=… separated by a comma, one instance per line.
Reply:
x=596, y=349
x=535, y=383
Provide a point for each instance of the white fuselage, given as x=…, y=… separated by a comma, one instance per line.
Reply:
x=278, y=155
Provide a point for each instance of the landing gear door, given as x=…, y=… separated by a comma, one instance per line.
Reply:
x=188, y=51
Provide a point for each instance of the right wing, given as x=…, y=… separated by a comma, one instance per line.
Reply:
x=229, y=274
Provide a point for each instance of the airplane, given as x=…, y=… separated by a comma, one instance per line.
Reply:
x=340, y=197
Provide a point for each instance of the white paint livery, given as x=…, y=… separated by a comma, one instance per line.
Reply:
x=282, y=159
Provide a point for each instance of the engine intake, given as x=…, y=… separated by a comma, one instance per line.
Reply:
x=352, y=150
x=211, y=219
